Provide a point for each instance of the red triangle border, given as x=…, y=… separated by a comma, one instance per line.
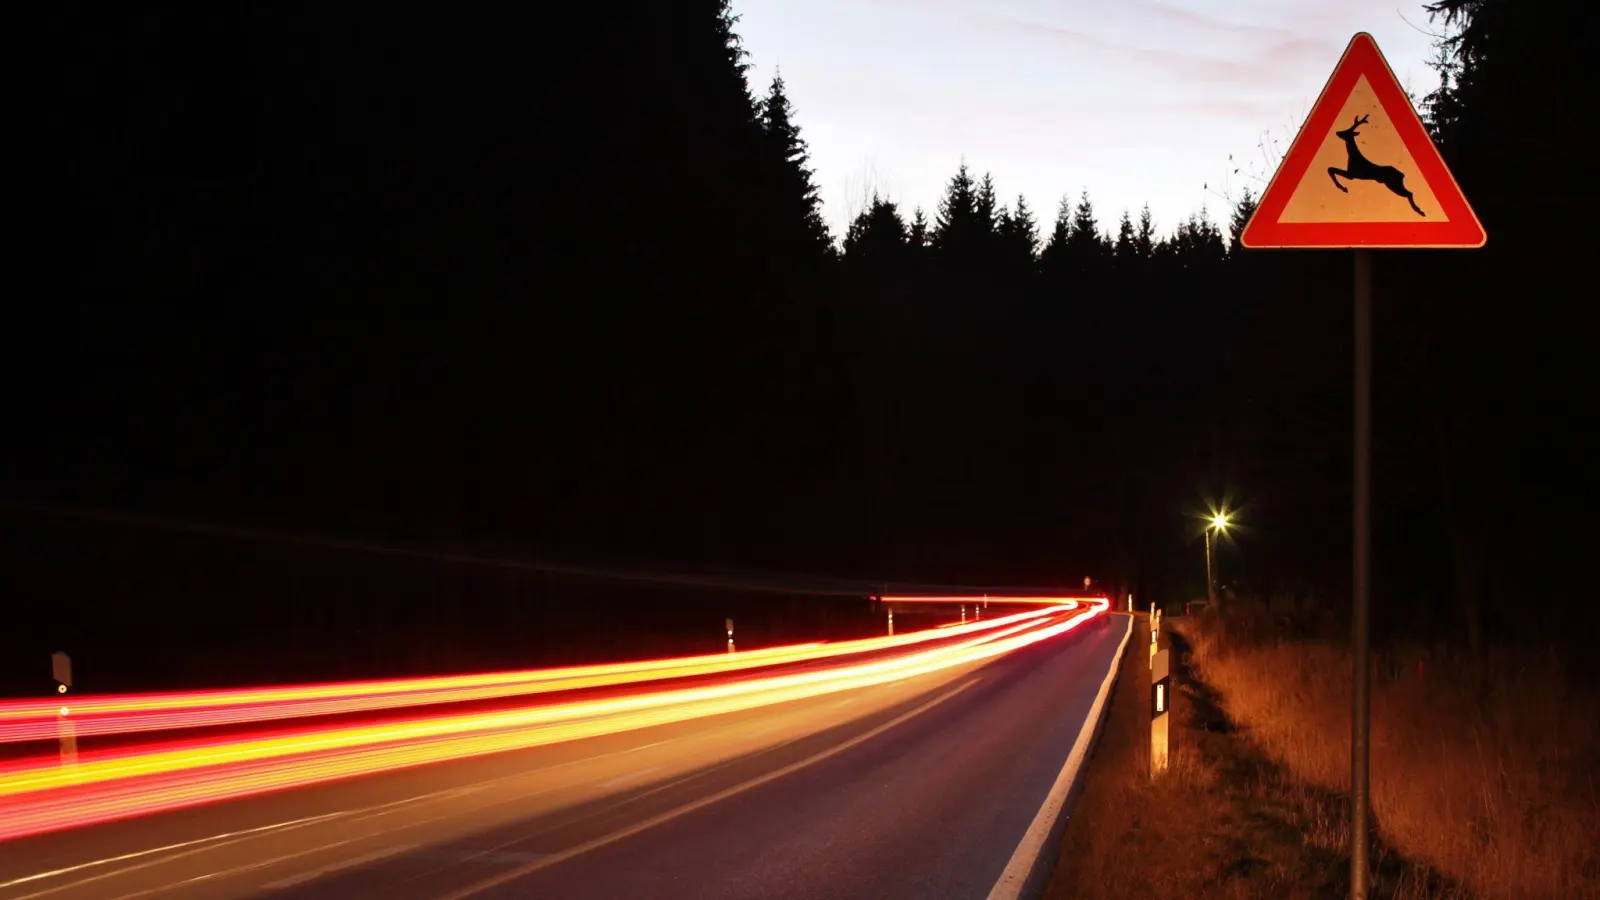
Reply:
x=1362, y=57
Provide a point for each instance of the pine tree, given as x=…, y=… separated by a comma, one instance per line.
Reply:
x=1086, y=248
x=1018, y=238
x=1212, y=244
x=1085, y=228
x=1052, y=260
x=1144, y=241
x=958, y=230
x=1126, y=249
x=1242, y=211
x=733, y=46
x=877, y=235
x=1196, y=242
x=919, y=237
x=1023, y=232
x=799, y=209
x=1504, y=114
x=987, y=207
x=1442, y=109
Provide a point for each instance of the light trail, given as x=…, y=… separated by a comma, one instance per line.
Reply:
x=992, y=598
x=39, y=720
x=39, y=795
x=119, y=763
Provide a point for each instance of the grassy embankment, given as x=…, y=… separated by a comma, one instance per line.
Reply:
x=1484, y=776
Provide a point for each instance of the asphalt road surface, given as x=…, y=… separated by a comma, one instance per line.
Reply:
x=919, y=789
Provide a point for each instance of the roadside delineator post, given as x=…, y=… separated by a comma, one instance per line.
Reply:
x=891, y=622
x=1160, y=712
x=1155, y=635
x=61, y=668
x=729, y=624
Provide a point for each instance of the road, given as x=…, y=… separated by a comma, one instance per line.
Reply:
x=920, y=788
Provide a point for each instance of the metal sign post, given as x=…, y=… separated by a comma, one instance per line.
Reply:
x=1360, y=638
x=1211, y=581
x=1393, y=191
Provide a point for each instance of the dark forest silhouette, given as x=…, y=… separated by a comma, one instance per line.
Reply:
x=448, y=277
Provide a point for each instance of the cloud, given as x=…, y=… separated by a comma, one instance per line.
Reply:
x=1191, y=19
x=1070, y=108
x=1265, y=63
x=1243, y=110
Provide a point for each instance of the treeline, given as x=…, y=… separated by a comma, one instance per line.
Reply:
x=564, y=282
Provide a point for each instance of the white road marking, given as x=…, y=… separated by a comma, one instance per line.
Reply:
x=669, y=815
x=262, y=864
x=303, y=877
x=353, y=815
x=216, y=841
x=1034, y=840
x=492, y=857
x=38, y=876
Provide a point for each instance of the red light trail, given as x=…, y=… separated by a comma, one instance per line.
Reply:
x=35, y=720
x=41, y=794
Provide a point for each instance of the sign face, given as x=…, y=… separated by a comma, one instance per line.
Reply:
x=1363, y=172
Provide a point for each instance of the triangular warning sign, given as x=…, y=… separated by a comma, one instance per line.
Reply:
x=1363, y=172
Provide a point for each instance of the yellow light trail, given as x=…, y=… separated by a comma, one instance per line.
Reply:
x=33, y=720
x=38, y=796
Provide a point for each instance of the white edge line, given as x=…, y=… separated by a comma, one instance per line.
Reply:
x=1036, y=840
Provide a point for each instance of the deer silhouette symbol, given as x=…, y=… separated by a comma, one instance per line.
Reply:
x=1359, y=168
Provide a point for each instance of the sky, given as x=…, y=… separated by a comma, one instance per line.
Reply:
x=1137, y=101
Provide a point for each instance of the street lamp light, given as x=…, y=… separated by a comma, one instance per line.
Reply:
x=1219, y=524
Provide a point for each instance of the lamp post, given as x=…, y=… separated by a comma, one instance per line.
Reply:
x=1219, y=524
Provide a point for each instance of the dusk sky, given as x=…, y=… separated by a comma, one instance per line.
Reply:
x=1135, y=100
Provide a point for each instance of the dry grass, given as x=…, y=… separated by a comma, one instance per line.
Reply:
x=1224, y=822
x=1487, y=772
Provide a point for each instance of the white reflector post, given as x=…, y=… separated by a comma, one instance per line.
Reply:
x=1160, y=712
